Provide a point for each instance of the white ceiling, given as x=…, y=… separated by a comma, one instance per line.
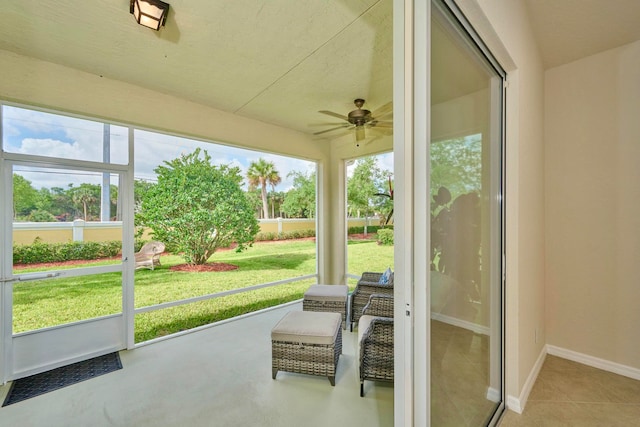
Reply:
x=279, y=61
x=567, y=30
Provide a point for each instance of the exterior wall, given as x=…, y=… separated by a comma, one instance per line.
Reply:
x=592, y=137
x=504, y=26
x=102, y=234
x=61, y=232
x=43, y=231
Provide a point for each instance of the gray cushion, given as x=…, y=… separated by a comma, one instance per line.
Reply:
x=327, y=293
x=307, y=327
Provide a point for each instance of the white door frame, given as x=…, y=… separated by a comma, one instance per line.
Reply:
x=22, y=354
x=411, y=98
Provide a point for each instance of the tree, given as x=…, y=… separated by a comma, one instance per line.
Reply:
x=25, y=196
x=300, y=201
x=261, y=173
x=386, y=203
x=276, y=198
x=41, y=216
x=253, y=196
x=363, y=185
x=140, y=189
x=86, y=196
x=197, y=207
x=456, y=164
x=61, y=204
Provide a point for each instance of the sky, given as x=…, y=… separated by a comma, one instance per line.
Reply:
x=33, y=132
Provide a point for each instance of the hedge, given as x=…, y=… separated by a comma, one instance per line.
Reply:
x=285, y=235
x=370, y=229
x=39, y=252
x=59, y=252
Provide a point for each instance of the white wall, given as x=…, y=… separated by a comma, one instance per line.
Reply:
x=592, y=133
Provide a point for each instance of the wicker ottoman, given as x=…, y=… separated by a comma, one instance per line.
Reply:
x=332, y=298
x=307, y=343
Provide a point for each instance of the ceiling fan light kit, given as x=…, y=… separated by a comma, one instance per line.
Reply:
x=361, y=118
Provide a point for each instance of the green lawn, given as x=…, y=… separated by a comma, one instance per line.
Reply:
x=52, y=302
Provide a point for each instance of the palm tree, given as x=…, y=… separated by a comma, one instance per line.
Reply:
x=261, y=173
x=83, y=196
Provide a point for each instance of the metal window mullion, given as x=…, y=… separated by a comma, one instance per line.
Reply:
x=128, y=231
x=29, y=160
x=6, y=262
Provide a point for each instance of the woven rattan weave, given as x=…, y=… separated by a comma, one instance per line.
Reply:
x=367, y=285
x=327, y=306
x=312, y=359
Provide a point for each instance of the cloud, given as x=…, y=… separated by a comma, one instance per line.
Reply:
x=151, y=149
x=53, y=135
x=55, y=148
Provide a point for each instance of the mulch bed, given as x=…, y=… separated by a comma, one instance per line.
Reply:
x=205, y=268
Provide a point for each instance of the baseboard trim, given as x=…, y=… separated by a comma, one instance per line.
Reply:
x=595, y=362
x=474, y=327
x=493, y=394
x=517, y=404
x=513, y=404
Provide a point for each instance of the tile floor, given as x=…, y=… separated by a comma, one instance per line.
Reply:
x=459, y=377
x=567, y=393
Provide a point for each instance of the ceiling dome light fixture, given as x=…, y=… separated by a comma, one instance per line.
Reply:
x=149, y=13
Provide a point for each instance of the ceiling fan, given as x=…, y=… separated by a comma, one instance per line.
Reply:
x=360, y=118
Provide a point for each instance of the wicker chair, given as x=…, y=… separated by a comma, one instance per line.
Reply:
x=367, y=286
x=375, y=333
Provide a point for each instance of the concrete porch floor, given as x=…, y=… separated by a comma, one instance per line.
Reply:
x=219, y=376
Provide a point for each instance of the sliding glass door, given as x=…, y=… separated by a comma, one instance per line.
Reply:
x=466, y=225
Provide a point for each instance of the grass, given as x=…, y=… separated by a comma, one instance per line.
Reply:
x=53, y=302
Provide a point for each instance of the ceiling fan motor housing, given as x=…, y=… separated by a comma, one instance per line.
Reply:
x=359, y=117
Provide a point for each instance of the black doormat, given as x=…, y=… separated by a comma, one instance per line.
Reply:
x=38, y=384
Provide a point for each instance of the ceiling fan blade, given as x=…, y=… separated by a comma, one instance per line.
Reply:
x=382, y=125
x=331, y=113
x=383, y=111
x=360, y=133
x=382, y=131
x=325, y=124
x=329, y=130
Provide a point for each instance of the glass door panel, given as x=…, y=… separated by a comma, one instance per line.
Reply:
x=466, y=232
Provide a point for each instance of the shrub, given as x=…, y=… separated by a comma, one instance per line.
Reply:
x=370, y=229
x=285, y=235
x=385, y=236
x=197, y=207
x=60, y=252
x=39, y=215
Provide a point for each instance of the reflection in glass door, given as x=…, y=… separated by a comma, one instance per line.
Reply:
x=466, y=230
